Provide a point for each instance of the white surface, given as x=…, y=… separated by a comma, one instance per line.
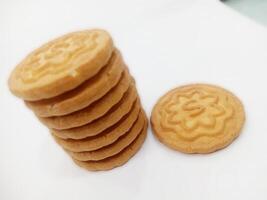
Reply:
x=165, y=43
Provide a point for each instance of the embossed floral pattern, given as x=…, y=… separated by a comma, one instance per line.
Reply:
x=197, y=118
x=195, y=113
x=56, y=56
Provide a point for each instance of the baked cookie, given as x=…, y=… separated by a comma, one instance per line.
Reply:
x=107, y=137
x=111, y=149
x=198, y=118
x=61, y=65
x=116, y=112
x=118, y=159
x=85, y=94
x=116, y=115
x=93, y=111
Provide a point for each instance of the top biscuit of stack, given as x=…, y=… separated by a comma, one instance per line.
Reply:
x=61, y=65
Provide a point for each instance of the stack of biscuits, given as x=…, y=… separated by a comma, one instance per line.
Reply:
x=80, y=88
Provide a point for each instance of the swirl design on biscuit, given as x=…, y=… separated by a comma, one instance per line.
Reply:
x=194, y=113
x=56, y=57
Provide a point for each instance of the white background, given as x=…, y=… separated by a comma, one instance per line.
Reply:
x=166, y=43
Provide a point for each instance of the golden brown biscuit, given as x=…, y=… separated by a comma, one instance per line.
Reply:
x=94, y=111
x=116, y=115
x=118, y=159
x=61, y=65
x=198, y=118
x=85, y=94
x=107, y=137
x=111, y=149
x=111, y=117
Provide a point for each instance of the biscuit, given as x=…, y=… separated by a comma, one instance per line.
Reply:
x=110, y=118
x=85, y=94
x=93, y=111
x=117, y=160
x=107, y=137
x=61, y=65
x=198, y=118
x=130, y=113
x=111, y=149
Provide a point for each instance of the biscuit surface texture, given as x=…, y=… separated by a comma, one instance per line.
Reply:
x=85, y=94
x=198, y=118
x=61, y=65
x=92, y=112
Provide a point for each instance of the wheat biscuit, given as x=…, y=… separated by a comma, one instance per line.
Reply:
x=198, y=118
x=117, y=111
x=114, y=116
x=111, y=149
x=85, y=94
x=118, y=159
x=107, y=137
x=92, y=112
x=61, y=65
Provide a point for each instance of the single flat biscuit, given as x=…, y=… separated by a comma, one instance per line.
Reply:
x=117, y=160
x=198, y=118
x=111, y=149
x=85, y=94
x=107, y=137
x=92, y=112
x=61, y=65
